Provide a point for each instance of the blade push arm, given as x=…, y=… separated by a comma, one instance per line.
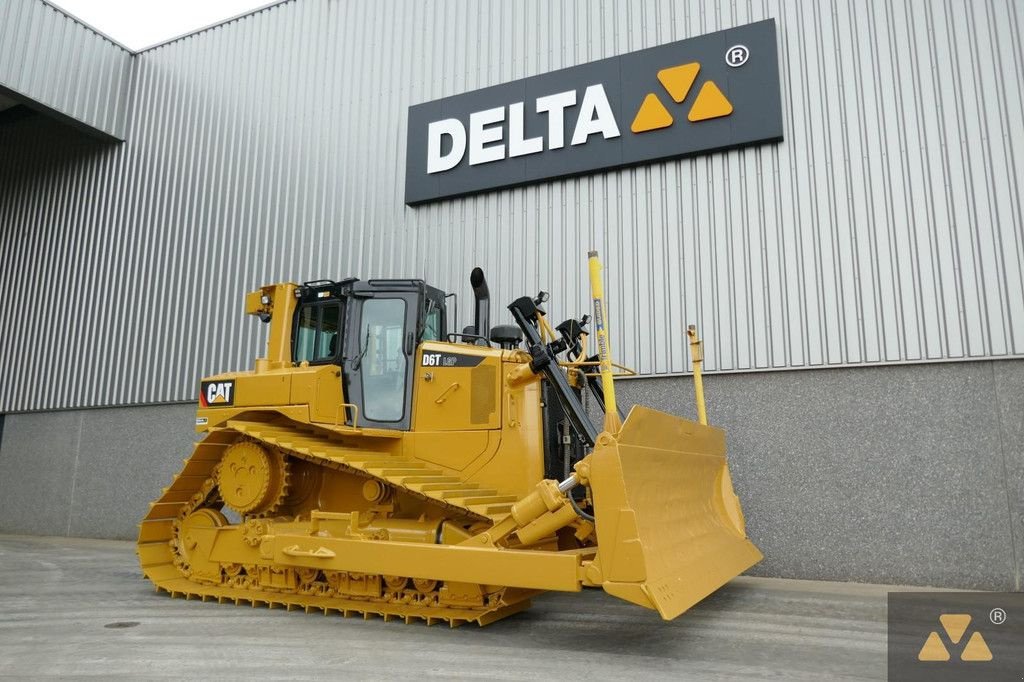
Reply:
x=543, y=360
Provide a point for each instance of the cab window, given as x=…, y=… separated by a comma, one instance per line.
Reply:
x=383, y=367
x=432, y=322
x=317, y=331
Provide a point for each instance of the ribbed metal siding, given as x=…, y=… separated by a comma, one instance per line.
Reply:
x=49, y=57
x=887, y=227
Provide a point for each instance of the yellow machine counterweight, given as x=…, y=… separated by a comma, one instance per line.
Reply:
x=375, y=463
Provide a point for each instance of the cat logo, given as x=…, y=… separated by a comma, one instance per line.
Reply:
x=217, y=393
x=955, y=626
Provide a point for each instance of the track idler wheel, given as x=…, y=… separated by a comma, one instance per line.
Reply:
x=252, y=479
x=188, y=540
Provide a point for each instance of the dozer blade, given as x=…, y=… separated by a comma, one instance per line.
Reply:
x=669, y=526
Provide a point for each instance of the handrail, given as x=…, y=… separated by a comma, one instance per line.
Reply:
x=355, y=415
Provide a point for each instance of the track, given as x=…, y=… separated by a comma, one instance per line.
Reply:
x=165, y=560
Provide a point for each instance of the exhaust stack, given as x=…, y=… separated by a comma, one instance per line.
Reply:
x=482, y=316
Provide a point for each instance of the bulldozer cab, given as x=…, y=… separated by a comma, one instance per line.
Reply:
x=371, y=330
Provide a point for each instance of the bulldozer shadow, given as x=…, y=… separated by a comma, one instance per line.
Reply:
x=597, y=623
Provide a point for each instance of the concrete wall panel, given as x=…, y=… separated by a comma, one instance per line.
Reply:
x=126, y=457
x=878, y=475
x=89, y=473
x=37, y=472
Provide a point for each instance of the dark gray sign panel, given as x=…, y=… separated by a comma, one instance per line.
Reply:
x=693, y=96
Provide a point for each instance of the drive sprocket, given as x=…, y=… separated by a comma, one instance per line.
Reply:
x=252, y=479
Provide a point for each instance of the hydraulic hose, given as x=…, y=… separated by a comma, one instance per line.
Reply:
x=579, y=512
x=566, y=487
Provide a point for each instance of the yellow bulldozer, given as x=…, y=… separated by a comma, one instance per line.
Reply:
x=374, y=463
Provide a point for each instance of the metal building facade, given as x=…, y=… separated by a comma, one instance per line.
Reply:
x=64, y=66
x=887, y=227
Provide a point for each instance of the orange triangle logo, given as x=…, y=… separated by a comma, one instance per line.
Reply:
x=651, y=116
x=678, y=79
x=933, y=649
x=976, y=649
x=955, y=625
x=711, y=103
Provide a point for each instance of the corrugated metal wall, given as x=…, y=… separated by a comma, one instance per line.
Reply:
x=887, y=227
x=52, y=59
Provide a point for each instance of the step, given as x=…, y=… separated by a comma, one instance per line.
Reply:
x=301, y=443
x=418, y=474
x=451, y=486
x=366, y=464
x=435, y=489
x=491, y=510
x=439, y=493
x=429, y=480
x=487, y=499
x=394, y=473
x=465, y=493
x=411, y=468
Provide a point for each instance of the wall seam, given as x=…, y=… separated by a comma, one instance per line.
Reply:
x=74, y=474
x=1017, y=568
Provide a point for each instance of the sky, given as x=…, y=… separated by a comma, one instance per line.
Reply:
x=138, y=24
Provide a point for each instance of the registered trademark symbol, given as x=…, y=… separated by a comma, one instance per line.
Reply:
x=737, y=55
x=997, y=616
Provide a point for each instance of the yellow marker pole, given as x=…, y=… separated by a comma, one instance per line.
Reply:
x=697, y=353
x=612, y=423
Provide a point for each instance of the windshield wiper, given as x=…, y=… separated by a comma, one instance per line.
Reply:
x=358, y=361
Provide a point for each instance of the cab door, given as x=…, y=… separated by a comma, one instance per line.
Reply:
x=380, y=342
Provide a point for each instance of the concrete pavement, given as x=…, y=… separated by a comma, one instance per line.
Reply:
x=72, y=607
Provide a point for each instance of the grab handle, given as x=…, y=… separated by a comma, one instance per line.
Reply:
x=318, y=553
